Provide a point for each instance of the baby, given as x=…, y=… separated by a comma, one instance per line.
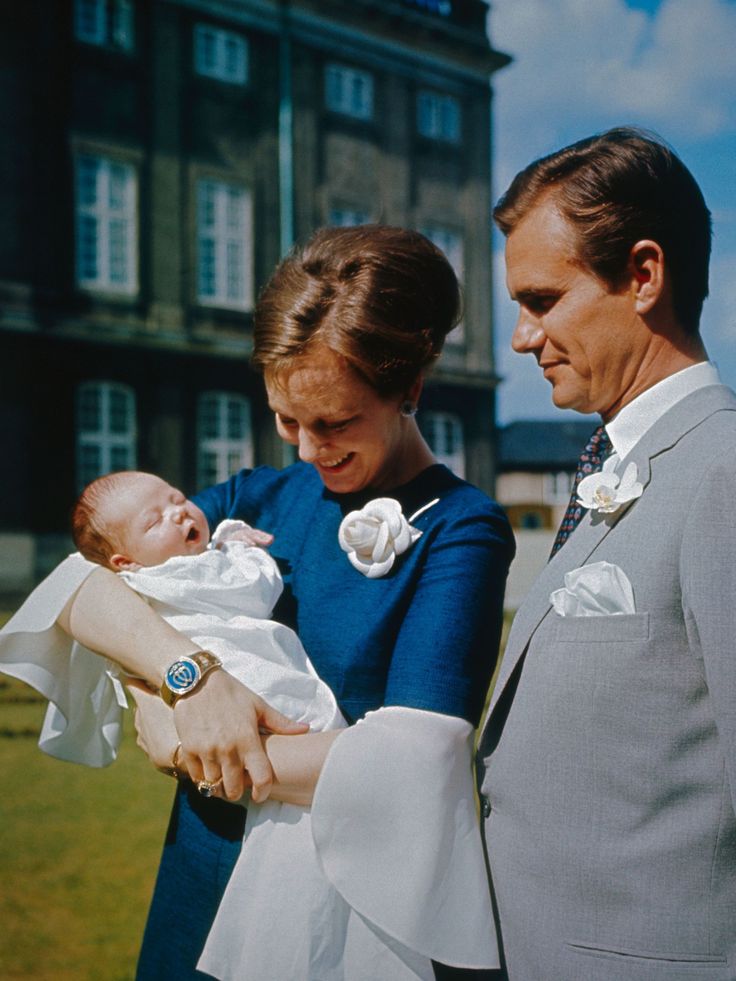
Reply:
x=131, y=519
x=220, y=592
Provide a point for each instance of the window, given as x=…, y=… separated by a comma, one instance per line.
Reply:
x=348, y=217
x=224, y=437
x=107, y=23
x=452, y=245
x=349, y=91
x=106, y=225
x=220, y=54
x=441, y=7
x=444, y=433
x=438, y=117
x=557, y=487
x=224, y=245
x=106, y=430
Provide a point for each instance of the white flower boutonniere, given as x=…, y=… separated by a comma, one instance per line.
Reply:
x=605, y=491
x=376, y=534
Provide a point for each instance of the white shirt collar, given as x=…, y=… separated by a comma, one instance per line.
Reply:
x=628, y=427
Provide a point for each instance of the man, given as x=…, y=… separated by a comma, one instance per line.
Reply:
x=608, y=759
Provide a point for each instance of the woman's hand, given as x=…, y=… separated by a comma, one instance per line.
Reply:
x=219, y=727
x=154, y=723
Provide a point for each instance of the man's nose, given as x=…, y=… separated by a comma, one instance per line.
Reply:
x=528, y=335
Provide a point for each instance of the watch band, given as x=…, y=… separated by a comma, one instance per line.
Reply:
x=185, y=675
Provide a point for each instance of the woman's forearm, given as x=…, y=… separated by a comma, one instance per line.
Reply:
x=297, y=762
x=108, y=617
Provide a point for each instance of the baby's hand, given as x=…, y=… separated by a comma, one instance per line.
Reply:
x=251, y=536
x=234, y=530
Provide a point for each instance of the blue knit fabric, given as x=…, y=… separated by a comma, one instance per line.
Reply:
x=426, y=636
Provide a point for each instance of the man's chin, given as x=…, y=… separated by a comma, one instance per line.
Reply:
x=565, y=399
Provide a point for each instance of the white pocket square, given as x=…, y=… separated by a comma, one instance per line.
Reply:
x=598, y=589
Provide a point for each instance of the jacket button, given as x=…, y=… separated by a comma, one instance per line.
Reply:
x=485, y=806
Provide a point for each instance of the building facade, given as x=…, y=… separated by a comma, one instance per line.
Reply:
x=537, y=459
x=160, y=156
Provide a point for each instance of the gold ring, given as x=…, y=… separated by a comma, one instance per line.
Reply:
x=207, y=788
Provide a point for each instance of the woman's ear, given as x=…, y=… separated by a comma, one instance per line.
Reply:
x=648, y=268
x=121, y=563
x=415, y=392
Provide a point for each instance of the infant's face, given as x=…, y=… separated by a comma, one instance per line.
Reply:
x=155, y=522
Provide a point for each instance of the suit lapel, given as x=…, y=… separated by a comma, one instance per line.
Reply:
x=664, y=434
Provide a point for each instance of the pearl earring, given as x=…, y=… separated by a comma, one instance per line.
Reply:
x=408, y=409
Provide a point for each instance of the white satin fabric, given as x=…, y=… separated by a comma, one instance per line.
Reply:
x=83, y=722
x=388, y=874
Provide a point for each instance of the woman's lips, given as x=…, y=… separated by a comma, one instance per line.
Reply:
x=335, y=466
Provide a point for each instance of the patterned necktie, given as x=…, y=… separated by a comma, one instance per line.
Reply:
x=591, y=460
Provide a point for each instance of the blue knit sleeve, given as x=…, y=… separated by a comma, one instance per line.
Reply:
x=448, y=642
x=217, y=502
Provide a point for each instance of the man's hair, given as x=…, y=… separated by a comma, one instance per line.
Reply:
x=383, y=298
x=617, y=188
x=93, y=538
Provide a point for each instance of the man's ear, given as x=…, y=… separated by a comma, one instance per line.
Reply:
x=647, y=266
x=121, y=563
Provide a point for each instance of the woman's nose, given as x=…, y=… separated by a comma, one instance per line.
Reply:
x=528, y=335
x=308, y=446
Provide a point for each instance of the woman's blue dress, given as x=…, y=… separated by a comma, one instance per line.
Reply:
x=426, y=636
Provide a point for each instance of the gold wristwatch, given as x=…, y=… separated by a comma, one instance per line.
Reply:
x=185, y=674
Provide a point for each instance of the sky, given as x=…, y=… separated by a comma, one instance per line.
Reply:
x=581, y=66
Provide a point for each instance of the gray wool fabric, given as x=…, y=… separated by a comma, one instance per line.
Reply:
x=609, y=755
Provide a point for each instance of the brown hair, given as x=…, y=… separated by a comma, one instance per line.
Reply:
x=618, y=188
x=384, y=298
x=91, y=536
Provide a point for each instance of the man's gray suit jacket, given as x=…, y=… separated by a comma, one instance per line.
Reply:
x=607, y=765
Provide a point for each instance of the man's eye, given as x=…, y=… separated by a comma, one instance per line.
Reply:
x=288, y=423
x=541, y=304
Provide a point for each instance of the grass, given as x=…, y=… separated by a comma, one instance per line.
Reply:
x=78, y=852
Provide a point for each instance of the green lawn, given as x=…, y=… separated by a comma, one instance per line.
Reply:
x=78, y=853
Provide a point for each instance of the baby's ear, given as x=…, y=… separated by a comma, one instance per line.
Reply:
x=121, y=563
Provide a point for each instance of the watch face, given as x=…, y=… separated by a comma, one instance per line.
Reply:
x=183, y=675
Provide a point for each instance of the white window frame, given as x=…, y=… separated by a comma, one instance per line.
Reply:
x=348, y=217
x=106, y=206
x=230, y=451
x=439, y=117
x=437, y=427
x=224, y=245
x=221, y=54
x=349, y=91
x=116, y=446
x=105, y=23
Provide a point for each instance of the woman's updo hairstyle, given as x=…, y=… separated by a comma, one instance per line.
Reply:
x=383, y=298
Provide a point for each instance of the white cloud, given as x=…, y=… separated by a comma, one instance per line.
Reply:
x=719, y=315
x=576, y=71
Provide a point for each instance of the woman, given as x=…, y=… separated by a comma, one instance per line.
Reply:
x=344, y=332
